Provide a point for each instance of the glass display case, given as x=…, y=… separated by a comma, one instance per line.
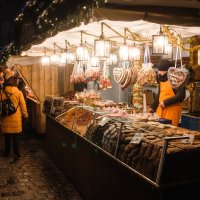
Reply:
x=77, y=118
x=68, y=104
x=138, y=144
x=47, y=104
x=57, y=105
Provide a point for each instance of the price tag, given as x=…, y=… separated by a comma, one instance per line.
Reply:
x=103, y=121
x=189, y=140
x=137, y=138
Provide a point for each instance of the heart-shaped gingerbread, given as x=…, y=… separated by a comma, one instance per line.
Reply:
x=178, y=77
x=134, y=74
x=118, y=74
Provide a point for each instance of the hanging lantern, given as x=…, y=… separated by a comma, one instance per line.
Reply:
x=159, y=43
x=67, y=58
x=94, y=61
x=63, y=58
x=82, y=53
x=169, y=52
x=102, y=46
x=54, y=58
x=70, y=58
x=45, y=59
x=112, y=60
x=134, y=53
x=124, y=53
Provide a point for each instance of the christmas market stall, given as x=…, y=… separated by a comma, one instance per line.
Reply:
x=94, y=71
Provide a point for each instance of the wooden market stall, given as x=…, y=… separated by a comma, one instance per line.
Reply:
x=97, y=172
x=141, y=20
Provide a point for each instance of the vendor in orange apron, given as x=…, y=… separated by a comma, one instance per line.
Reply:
x=171, y=112
x=168, y=101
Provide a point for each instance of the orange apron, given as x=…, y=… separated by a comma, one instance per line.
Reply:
x=171, y=112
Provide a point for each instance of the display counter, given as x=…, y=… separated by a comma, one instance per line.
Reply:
x=105, y=163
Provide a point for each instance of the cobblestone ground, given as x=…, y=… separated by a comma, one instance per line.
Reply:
x=34, y=176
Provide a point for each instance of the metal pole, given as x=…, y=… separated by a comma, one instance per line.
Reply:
x=163, y=154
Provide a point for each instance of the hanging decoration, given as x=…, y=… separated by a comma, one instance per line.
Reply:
x=118, y=74
x=134, y=52
x=48, y=21
x=178, y=77
x=45, y=60
x=105, y=79
x=125, y=74
x=82, y=53
x=177, y=40
x=102, y=46
x=93, y=71
x=112, y=60
x=169, y=52
x=94, y=61
x=146, y=75
x=78, y=73
x=63, y=59
x=124, y=54
x=67, y=57
x=159, y=43
x=54, y=58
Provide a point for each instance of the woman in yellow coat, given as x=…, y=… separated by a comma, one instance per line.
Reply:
x=11, y=126
x=168, y=101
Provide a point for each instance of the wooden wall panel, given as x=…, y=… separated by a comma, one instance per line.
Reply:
x=54, y=83
x=68, y=71
x=43, y=80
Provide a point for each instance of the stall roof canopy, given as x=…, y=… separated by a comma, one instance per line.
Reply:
x=177, y=3
x=118, y=19
x=37, y=22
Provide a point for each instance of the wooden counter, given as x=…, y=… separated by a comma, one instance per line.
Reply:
x=100, y=176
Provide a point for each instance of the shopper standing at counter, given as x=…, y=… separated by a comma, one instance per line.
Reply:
x=167, y=103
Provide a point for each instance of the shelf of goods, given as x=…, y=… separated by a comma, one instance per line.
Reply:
x=118, y=157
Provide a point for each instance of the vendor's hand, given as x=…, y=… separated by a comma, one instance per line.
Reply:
x=161, y=104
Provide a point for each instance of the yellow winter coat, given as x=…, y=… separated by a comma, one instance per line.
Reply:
x=13, y=123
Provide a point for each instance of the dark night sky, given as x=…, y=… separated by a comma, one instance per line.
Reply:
x=9, y=9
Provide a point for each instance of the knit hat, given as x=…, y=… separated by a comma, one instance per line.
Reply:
x=164, y=65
